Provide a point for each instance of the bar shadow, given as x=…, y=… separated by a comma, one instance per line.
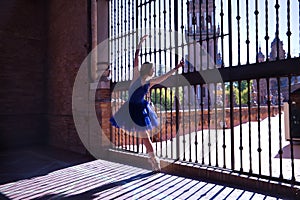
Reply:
x=36, y=161
x=286, y=151
x=90, y=194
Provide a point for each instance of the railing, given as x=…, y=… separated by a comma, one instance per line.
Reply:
x=225, y=109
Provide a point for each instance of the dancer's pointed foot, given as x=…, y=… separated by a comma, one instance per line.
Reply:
x=155, y=163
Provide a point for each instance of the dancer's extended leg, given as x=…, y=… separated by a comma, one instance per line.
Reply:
x=149, y=149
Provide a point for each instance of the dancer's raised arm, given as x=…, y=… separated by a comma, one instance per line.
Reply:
x=136, y=71
x=163, y=77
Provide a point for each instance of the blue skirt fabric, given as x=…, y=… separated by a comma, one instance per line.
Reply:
x=134, y=116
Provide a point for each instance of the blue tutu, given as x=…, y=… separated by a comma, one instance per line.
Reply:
x=136, y=114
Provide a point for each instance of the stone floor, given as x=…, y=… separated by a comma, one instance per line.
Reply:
x=47, y=173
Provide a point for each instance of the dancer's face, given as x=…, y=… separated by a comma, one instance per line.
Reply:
x=151, y=72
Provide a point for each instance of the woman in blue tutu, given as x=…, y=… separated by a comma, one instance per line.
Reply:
x=142, y=118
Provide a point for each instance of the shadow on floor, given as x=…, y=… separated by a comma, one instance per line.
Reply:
x=286, y=151
x=35, y=161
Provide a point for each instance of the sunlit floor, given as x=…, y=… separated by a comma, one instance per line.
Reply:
x=36, y=174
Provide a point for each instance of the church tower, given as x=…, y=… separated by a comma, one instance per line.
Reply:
x=202, y=30
x=202, y=36
x=273, y=54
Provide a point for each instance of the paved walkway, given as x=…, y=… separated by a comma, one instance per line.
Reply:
x=53, y=174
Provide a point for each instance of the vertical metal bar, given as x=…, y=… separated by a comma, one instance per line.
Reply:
x=216, y=124
x=267, y=29
x=200, y=30
x=177, y=138
x=222, y=31
x=145, y=27
x=277, y=29
x=256, y=12
x=171, y=129
x=121, y=35
x=127, y=41
x=194, y=24
x=183, y=123
x=188, y=34
x=269, y=126
x=208, y=121
x=291, y=138
x=232, y=125
x=118, y=41
x=230, y=32
x=238, y=17
x=202, y=121
x=135, y=20
x=189, y=123
x=279, y=129
x=134, y=29
x=258, y=125
x=288, y=33
x=167, y=121
x=247, y=28
x=241, y=122
x=160, y=102
x=207, y=38
x=213, y=21
x=176, y=61
x=150, y=38
x=224, y=124
x=196, y=130
x=249, y=120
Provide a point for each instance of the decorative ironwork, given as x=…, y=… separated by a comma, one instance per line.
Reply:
x=233, y=123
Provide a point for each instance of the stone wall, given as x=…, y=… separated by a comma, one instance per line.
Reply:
x=22, y=76
x=67, y=48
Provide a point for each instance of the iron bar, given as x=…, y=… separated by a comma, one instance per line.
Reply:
x=247, y=29
x=293, y=179
x=241, y=129
x=208, y=123
x=238, y=18
x=224, y=125
x=222, y=31
x=230, y=33
x=202, y=120
x=249, y=126
x=232, y=125
x=269, y=125
x=279, y=128
x=196, y=124
x=267, y=29
x=215, y=33
x=207, y=38
x=288, y=33
x=216, y=122
x=256, y=12
x=258, y=125
x=189, y=123
x=183, y=127
x=277, y=29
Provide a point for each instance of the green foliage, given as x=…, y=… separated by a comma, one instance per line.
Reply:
x=244, y=92
x=162, y=97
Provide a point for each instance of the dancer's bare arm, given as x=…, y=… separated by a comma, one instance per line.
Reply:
x=136, y=72
x=163, y=77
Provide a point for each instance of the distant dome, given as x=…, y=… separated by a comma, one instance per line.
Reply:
x=260, y=56
x=274, y=42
